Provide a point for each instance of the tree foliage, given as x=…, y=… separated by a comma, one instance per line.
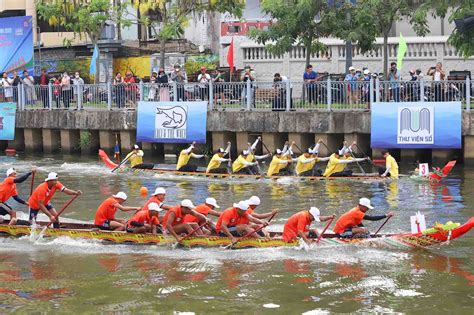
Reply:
x=295, y=23
x=80, y=16
x=168, y=18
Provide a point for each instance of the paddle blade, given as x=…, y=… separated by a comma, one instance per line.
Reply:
x=448, y=167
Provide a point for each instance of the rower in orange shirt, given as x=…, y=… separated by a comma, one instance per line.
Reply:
x=229, y=225
x=298, y=225
x=173, y=220
x=254, y=202
x=8, y=190
x=206, y=209
x=349, y=225
x=158, y=197
x=145, y=221
x=41, y=197
x=105, y=214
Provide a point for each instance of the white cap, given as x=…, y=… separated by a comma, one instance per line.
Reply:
x=211, y=201
x=315, y=213
x=120, y=195
x=358, y=70
x=365, y=202
x=187, y=203
x=245, y=152
x=221, y=150
x=254, y=201
x=278, y=151
x=136, y=147
x=351, y=68
x=10, y=171
x=366, y=71
x=310, y=151
x=341, y=152
x=159, y=191
x=242, y=205
x=51, y=176
x=154, y=207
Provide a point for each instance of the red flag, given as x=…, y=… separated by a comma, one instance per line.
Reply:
x=230, y=55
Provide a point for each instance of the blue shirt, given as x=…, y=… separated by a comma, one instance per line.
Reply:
x=310, y=76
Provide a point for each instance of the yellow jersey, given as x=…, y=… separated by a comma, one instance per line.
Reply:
x=250, y=157
x=275, y=166
x=183, y=159
x=331, y=167
x=238, y=164
x=135, y=158
x=214, y=163
x=304, y=167
x=341, y=167
x=392, y=164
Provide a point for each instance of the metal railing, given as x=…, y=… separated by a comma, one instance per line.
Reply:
x=285, y=95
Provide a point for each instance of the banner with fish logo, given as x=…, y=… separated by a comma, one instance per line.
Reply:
x=171, y=122
x=417, y=125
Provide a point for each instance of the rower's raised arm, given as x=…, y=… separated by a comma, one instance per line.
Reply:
x=227, y=150
x=254, y=145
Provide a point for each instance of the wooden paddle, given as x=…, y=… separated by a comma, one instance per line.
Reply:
x=60, y=212
x=327, y=225
x=123, y=162
x=32, y=182
x=365, y=155
x=386, y=220
x=192, y=232
x=250, y=233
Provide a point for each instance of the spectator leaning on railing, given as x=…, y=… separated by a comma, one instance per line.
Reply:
x=29, y=83
x=7, y=84
x=394, y=76
x=218, y=78
x=204, y=78
x=437, y=75
x=180, y=78
x=16, y=83
x=247, y=75
x=162, y=79
x=119, y=89
x=78, y=83
x=43, y=82
x=352, y=79
x=310, y=77
x=66, y=89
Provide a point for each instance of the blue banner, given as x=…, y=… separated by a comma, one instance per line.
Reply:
x=7, y=121
x=422, y=125
x=16, y=44
x=171, y=122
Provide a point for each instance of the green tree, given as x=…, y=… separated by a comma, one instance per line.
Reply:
x=168, y=18
x=81, y=17
x=384, y=13
x=295, y=23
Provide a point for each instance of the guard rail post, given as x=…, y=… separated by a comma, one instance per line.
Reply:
x=79, y=96
x=249, y=94
x=109, y=95
x=211, y=95
x=329, y=94
x=422, y=90
x=175, y=91
x=468, y=94
x=377, y=90
x=50, y=96
x=141, y=91
x=288, y=95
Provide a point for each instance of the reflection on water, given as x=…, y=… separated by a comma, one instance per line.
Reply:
x=66, y=275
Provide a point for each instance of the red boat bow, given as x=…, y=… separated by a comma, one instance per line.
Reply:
x=105, y=158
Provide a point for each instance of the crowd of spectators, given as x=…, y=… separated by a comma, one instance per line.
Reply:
x=352, y=88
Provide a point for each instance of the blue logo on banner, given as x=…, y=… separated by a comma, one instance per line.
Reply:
x=7, y=121
x=430, y=125
x=171, y=122
x=16, y=44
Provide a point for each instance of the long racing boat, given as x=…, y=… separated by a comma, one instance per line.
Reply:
x=162, y=171
x=433, y=236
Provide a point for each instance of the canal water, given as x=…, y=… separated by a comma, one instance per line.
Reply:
x=65, y=275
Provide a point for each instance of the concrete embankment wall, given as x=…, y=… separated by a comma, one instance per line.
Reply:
x=86, y=131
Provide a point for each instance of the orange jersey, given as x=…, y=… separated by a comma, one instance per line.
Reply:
x=7, y=189
x=152, y=199
x=230, y=217
x=144, y=217
x=44, y=194
x=244, y=219
x=202, y=209
x=349, y=219
x=179, y=216
x=298, y=222
x=106, y=211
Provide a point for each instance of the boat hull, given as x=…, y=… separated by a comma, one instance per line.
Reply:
x=123, y=169
x=394, y=240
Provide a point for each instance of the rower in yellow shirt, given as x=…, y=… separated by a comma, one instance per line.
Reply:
x=391, y=166
x=338, y=162
x=305, y=163
x=279, y=163
x=217, y=159
x=241, y=165
x=136, y=158
x=251, y=157
x=184, y=157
